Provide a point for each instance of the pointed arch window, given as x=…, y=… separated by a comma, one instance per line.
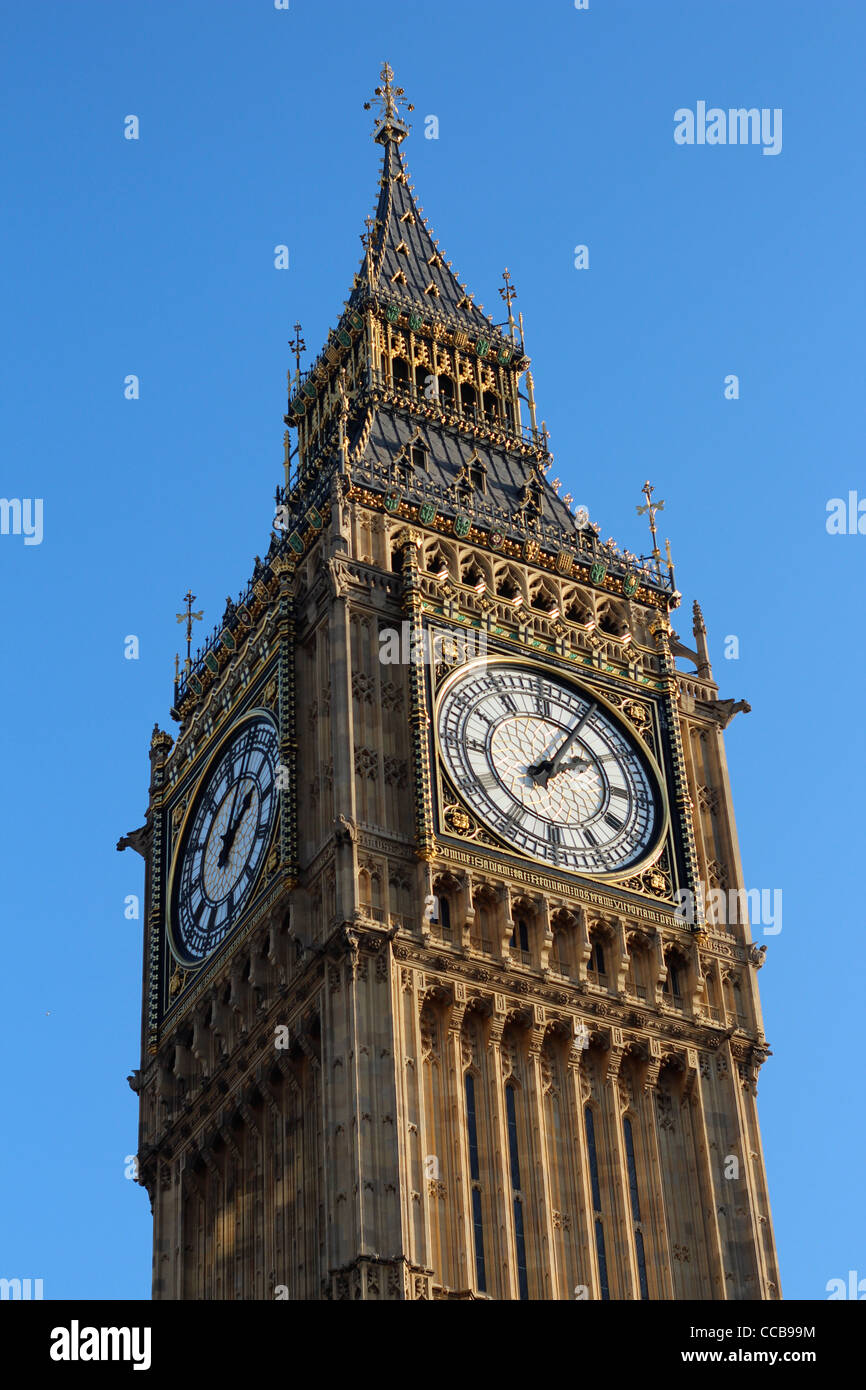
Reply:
x=589, y=1121
x=635, y=1207
x=516, y=1194
x=475, y=1183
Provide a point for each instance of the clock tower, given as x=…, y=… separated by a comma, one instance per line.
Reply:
x=443, y=995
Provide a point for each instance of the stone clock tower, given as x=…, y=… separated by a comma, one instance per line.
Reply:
x=424, y=1014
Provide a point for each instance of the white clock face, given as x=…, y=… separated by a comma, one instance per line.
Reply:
x=546, y=766
x=225, y=839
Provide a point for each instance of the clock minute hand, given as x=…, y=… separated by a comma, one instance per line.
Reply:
x=542, y=772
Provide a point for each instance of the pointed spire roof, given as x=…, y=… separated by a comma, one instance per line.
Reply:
x=404, y=262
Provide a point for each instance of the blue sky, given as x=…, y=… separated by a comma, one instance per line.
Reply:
x=155, y=257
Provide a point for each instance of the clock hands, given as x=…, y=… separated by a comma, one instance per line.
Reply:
x=541, y=772
x=229, y=838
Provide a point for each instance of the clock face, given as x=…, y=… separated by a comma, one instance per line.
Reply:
x=225, y=839
x=547, y=767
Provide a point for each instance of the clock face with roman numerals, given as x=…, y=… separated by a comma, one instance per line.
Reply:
x=225, y=839
x=546, y=765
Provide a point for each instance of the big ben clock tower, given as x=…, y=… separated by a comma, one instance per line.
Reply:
x=424, y=1016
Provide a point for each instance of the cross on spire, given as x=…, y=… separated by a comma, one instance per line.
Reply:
x=297, y=346
x=651, y=509
x=509, y=294
x=189, y=618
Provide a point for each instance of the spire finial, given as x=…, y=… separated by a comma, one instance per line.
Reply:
x=390, y=124
x=297, y=346
x=652, y=508
x=189, y=618
x=509, y=294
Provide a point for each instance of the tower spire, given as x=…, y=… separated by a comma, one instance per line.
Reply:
x=390, y=124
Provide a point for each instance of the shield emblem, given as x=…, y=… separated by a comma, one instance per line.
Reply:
x=427, y=513
x=598, y=572
x=496, y=539
x=211, y=663
x=415, y=322
x=630, y=585
x=314, y=518
x=393, y=313
x=244, y=615
x=392, y=501
x=296, y=542
x=482, y=347
x=505, y=356
x=195, y=684
x=462, y=525
x=228, y=641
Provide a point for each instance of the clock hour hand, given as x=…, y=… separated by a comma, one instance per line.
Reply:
x=231, y=833
x=542, y=772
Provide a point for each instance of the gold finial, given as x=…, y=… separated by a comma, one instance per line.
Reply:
x=287, y=457
x=671, y=567
x=652, y=508
x=189, y=618
x=176, y=668
x=367, y=243
x=390, y=124
x=297, y=346
x=509, y=294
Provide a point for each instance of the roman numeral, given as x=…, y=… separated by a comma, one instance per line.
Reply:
x=613, y=822
x=620, y=792
x=508, y=703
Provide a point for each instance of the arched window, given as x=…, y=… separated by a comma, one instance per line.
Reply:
x=673, y=979
x=589, y=1121
x=399, y=371
x=516, y=1193
x=596, y=966
x=492, y=405
x=635, y=1207
x=475, y=1182
x=468, y=398
x=520, y=939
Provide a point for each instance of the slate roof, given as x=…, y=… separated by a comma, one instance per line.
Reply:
x=404, y=246
x=506, y=473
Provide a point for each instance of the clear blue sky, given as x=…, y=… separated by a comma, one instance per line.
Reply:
x=156, y=257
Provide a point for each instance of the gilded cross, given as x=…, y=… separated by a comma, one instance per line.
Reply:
x=189, y=618
x=651, y=508
x=297, y=346
x=509, y=294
